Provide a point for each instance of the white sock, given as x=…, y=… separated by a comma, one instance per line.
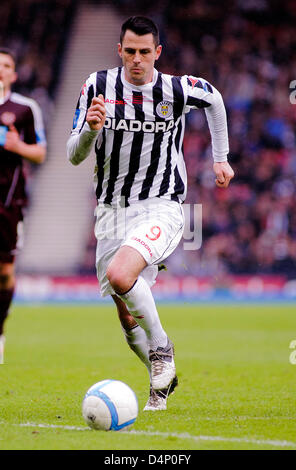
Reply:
x=141, y=305
x=137, y=341
x=2, y=342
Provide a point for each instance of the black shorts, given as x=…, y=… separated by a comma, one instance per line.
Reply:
x=9, y=219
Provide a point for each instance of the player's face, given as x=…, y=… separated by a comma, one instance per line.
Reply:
x=138, y=54
x=7, y=71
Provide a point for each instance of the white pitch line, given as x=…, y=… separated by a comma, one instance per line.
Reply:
x=271, y=442
x=245, y=418
x=219, y=438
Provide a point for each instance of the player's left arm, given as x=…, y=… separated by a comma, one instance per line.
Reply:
x=35, y=153
x=201, y=94
x=224, y=173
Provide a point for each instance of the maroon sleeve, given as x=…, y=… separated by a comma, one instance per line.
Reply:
x=29, y=127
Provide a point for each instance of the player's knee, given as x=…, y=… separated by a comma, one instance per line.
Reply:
x=116, y=279
x=119, y=279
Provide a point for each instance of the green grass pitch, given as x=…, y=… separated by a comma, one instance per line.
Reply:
x=236, y=390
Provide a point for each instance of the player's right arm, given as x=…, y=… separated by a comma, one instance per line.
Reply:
x=87, y=125
x=96, y=114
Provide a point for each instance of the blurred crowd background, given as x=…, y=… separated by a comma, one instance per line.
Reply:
x=247, y=50
x=37, y=32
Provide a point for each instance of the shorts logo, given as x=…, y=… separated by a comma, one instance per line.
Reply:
x=143, y=244
x=164, y=109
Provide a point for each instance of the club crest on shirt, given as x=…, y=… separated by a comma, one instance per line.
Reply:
x=164, y=109
x=8, y=118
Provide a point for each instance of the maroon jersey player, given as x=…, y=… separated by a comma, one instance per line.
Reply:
x=21, y=138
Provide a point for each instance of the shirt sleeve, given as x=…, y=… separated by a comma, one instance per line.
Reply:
x=82, y=137
x=34, y=132
x=202, y=95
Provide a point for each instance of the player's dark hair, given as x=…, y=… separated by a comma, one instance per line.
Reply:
x=5, y=50
x=140, y=25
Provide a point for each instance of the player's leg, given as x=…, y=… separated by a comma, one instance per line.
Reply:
x=129, y=275
x=135, y=336
x=10, y=221
x=7, y=285
x=107, y=248
x=136, y=339
x=123, y=274
x=157, y=400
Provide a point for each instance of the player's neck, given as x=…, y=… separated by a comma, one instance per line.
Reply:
x=139, y=82
x=5, y=96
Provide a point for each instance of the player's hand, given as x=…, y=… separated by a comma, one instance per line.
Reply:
x=96, y=114
x=12, y=140
x=224, y=173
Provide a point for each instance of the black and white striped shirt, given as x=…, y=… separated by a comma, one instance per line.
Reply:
x=139, y=149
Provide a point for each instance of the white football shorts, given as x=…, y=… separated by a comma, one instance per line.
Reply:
x=153, y=227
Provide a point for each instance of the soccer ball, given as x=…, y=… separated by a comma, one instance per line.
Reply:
x=110, y=405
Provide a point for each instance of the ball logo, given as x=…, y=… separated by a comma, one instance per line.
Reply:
x=164, y=109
